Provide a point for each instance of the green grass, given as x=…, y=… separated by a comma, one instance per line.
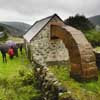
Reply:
x=17, y=79
x=93, y=36
x=80, y=91
x=97, y=49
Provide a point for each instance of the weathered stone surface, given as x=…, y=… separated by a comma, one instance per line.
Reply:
x=50, y=87
x=82, y=58
x=45, y=50
x=50, y=43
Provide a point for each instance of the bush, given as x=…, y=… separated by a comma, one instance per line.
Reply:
x=93, y=37
x=80, y=22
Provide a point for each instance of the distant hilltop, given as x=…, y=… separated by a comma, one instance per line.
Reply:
x=95, y=20
x=15, y=28
x=19, y=28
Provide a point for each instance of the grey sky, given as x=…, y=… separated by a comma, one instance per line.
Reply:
x=32, y=10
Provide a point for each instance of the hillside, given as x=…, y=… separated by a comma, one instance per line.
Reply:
x=95, y=20
x=15, y=28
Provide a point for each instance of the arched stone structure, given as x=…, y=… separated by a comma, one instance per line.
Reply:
x=82, y=58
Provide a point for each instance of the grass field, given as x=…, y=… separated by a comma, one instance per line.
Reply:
x=79, y=91
x=93, y=36
x=16, y=79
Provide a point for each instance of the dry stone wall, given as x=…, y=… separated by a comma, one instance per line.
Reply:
x=82, y=58
x=50, y=87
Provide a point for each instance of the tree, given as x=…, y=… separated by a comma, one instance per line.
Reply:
x=1, y=28
x=80, y=22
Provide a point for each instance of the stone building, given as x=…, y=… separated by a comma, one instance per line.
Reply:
x=50, y=40
x=41, y=46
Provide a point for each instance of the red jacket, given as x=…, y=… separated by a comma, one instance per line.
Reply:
x=11, y=52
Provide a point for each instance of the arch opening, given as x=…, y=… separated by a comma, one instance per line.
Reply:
x=82, y=58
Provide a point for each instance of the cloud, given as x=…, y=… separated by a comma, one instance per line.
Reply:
x=37, y=9
x=7, y=15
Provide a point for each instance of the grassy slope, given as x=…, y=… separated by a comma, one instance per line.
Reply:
x=92, y=35
x=16, y=79
x=80, y=91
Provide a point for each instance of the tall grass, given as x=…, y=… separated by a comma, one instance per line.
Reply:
x=80, y=91
x=17, y=79
x=93, y=36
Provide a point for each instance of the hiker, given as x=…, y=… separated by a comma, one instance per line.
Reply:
x=20, y=47
x=16, y=50
x=11, y=52
x=3, y=50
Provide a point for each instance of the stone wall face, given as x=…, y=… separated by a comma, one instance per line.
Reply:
x=82, y=58
x=46, y=50
x=50, y=87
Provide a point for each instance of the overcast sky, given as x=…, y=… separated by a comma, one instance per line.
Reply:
x=31, y=10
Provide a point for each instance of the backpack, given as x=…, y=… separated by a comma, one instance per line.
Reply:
x=11, y=52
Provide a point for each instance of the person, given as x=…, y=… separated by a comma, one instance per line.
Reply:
x=11, y=52
x=16, y=50
x=3, y=52
x=20, y=47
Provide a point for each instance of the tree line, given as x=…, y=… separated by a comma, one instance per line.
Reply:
x=80, y=22
x=88, y=28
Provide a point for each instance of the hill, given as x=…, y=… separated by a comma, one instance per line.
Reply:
x=95, y=20
x=15, y=28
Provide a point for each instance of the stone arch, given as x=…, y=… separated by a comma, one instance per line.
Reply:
x=82, y=58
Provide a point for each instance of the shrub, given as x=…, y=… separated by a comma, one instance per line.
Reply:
x=80, y=22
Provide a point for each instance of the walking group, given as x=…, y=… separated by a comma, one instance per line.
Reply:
x=10, y=50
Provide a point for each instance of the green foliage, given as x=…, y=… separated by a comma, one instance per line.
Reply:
x=61, y=72
x=5, y=37
x=17, y=80
x=79, y=91
x=80, y=22
x=93, y=36
x=1, y=28
x=97, y=49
